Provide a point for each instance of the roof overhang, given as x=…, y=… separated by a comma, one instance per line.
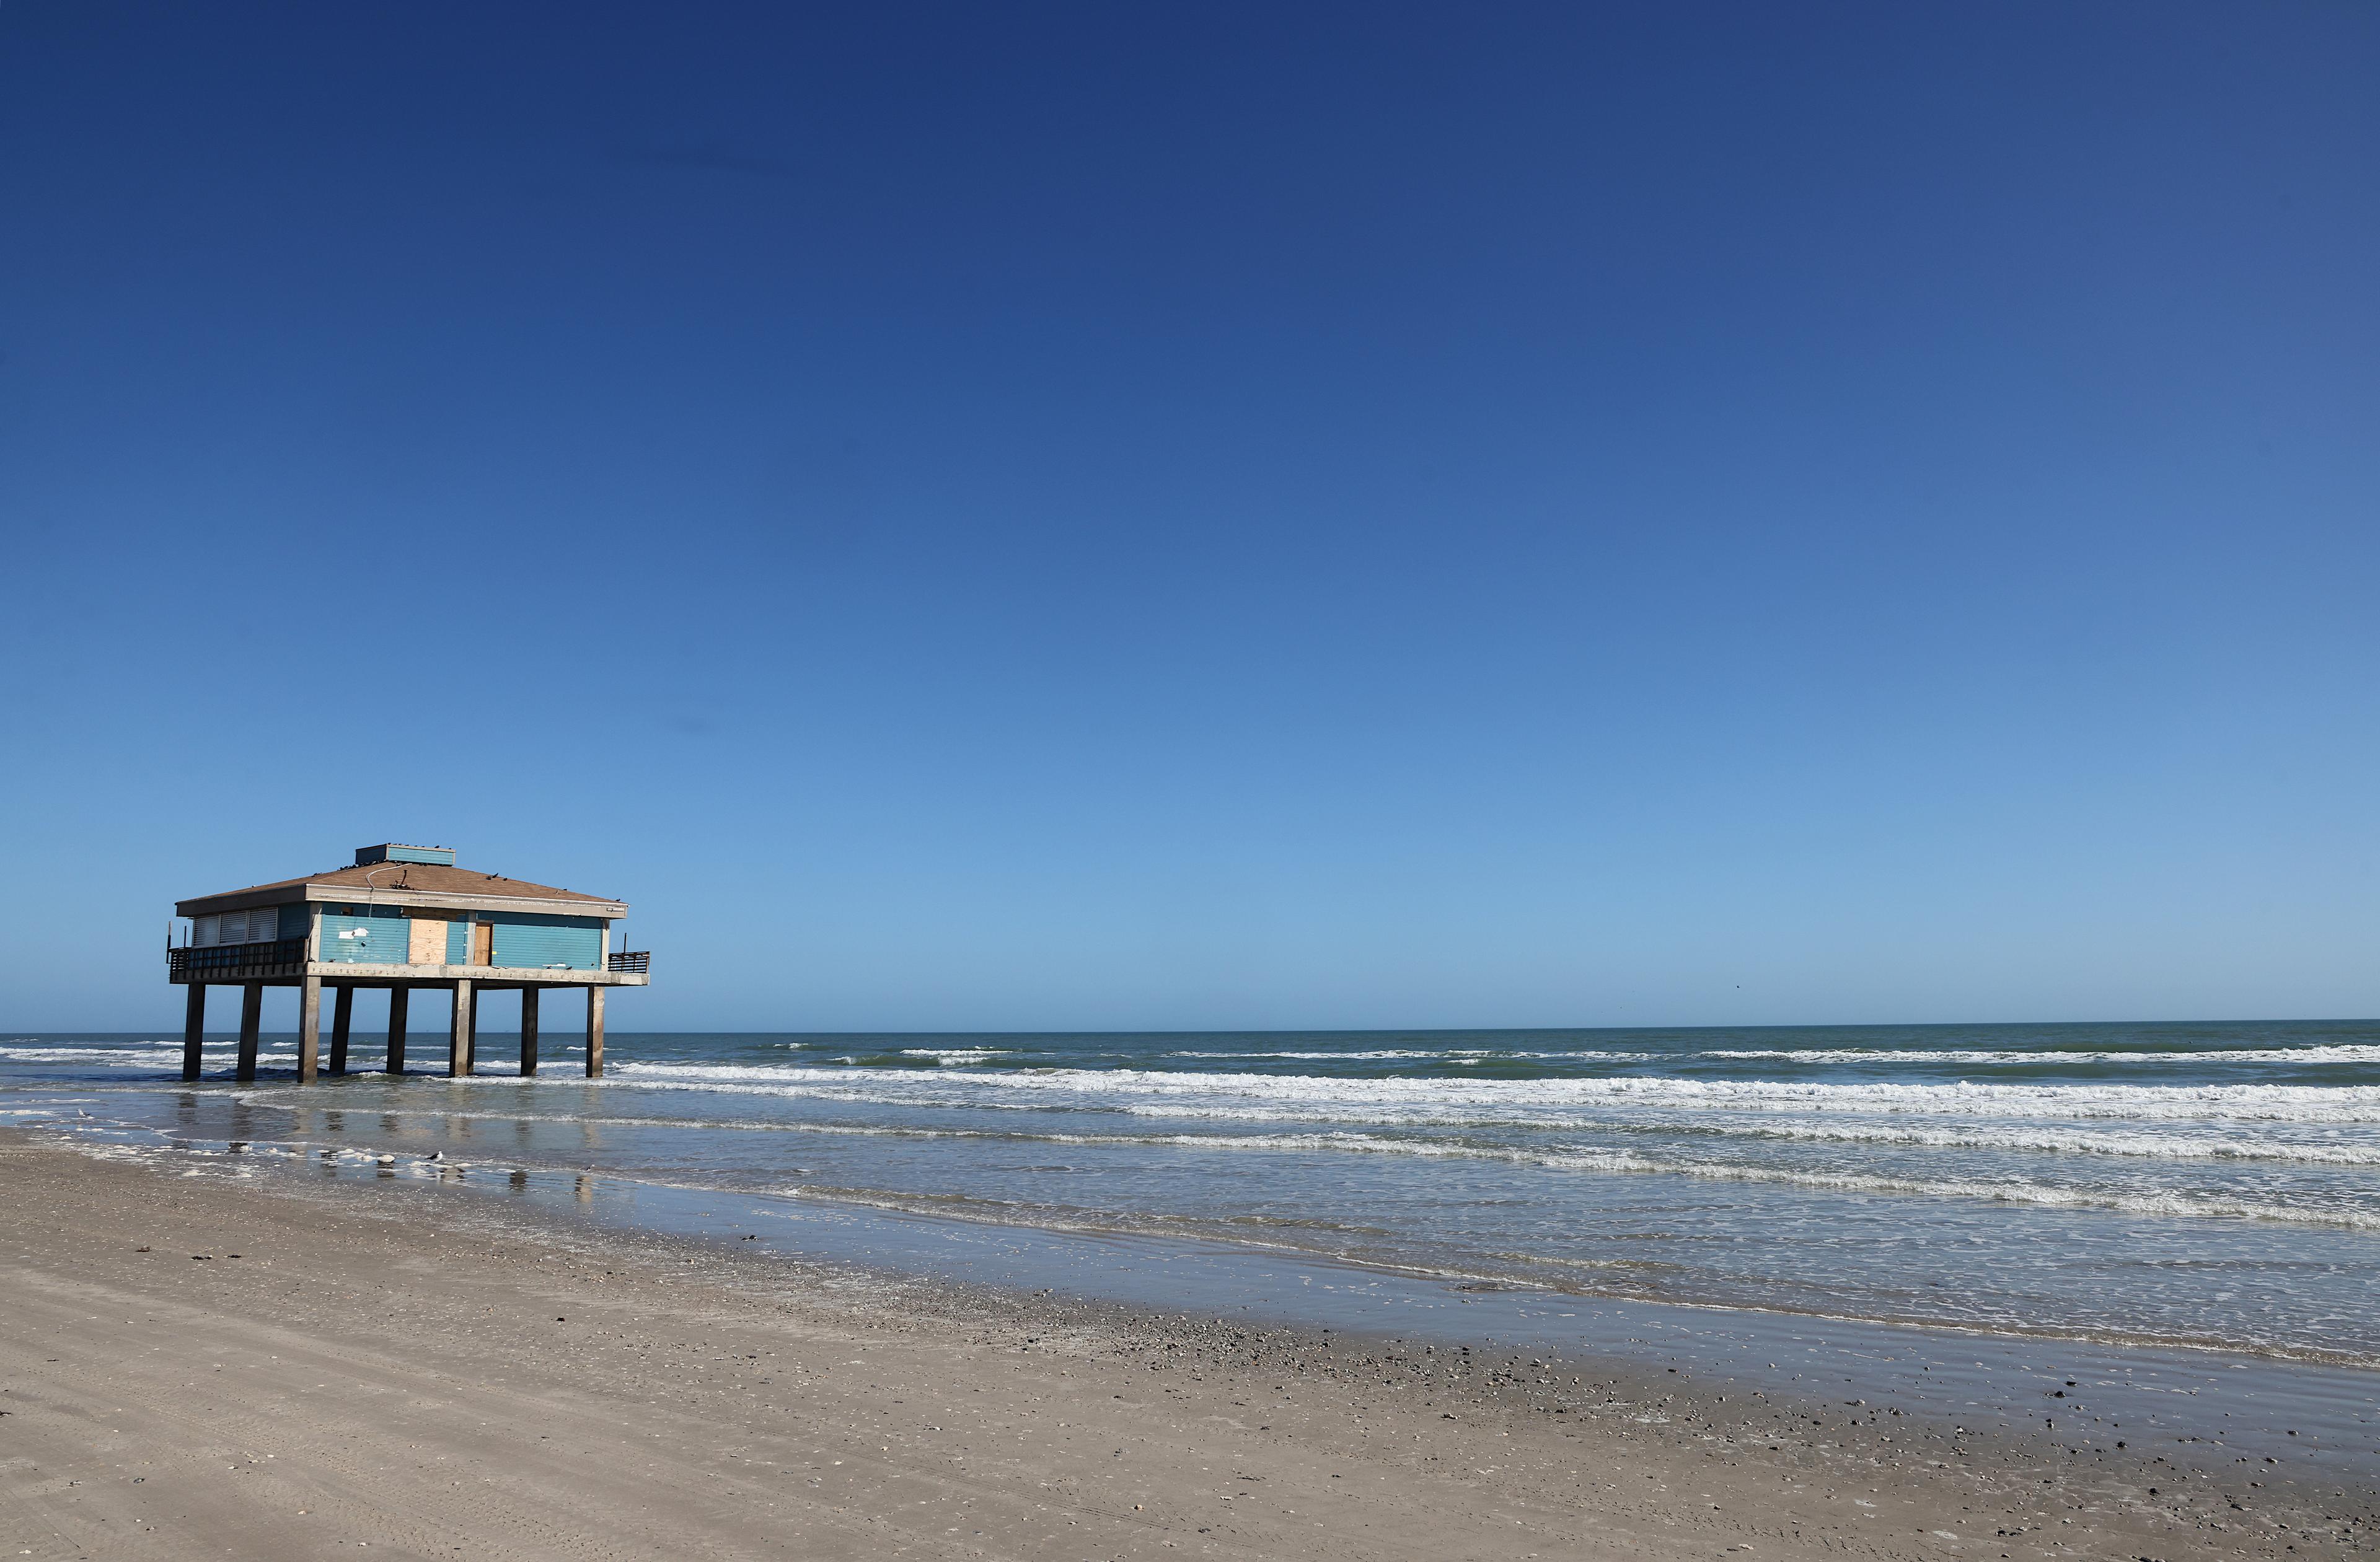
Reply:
x=350, y=894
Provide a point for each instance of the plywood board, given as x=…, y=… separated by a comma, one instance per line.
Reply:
x=426, y=944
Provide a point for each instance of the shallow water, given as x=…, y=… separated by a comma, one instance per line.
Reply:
x=2215, y=1184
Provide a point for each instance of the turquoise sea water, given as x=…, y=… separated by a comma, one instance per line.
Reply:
x=2212, y=1184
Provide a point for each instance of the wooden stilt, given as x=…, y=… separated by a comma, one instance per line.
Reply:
x=194, y=1027
x=252, y=1010
x=343, y=1012
x=309, y=1029
x=398, y=996
x=458, y=1039
x=594, y=1033
x=528, y=1031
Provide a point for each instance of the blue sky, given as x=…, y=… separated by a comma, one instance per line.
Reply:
x=1212, y=516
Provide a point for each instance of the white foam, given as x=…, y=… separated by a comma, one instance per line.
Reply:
x=1445, y=1054
x=145, y=1057
x=1480, y=1101
x=2328, y=1053
x=2146, y=1141
x=2219, y=1206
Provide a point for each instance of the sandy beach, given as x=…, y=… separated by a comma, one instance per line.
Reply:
x=200, y=1367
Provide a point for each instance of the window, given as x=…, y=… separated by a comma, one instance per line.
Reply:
x=258, y=927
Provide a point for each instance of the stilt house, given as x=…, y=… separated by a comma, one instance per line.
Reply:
x=402, y=917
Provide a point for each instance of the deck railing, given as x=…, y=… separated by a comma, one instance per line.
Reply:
x=205, y=960
x=281, y=957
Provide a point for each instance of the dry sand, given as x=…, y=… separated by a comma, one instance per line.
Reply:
x=202, y=1368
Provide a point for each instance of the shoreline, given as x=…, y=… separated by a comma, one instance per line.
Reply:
x=316, y=1126
x=2315, y=1419
x=1047, y=1412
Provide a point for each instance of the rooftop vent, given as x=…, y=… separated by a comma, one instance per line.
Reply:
x=391, y=852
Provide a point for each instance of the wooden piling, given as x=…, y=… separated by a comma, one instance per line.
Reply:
x=397, y=998
x=194, y=1027
x=342, y=1010
x=252, y=1010
x=594, y=1033
x=528, y=1031
x=458, y=1040
x=309, y=1029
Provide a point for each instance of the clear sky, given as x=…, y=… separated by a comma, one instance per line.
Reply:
x=1201, y=515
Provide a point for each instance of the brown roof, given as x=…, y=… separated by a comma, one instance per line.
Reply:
x=423, y=878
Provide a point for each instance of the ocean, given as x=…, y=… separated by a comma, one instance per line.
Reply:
x=2171, y=1184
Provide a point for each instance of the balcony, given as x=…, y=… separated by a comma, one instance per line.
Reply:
x=280, y=960
x=229, y=963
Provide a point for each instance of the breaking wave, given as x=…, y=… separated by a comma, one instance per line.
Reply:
x=1457, y=1102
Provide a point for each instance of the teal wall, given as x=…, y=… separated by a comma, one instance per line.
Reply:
x=384, y=932
x=540, y=942
x=537, y=943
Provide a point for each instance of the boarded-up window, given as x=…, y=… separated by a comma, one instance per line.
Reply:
x=426, y=942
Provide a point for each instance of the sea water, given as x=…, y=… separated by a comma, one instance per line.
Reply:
x=2212, y=1185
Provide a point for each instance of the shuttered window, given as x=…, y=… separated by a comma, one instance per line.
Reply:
x=259, y=927
x=541, y=944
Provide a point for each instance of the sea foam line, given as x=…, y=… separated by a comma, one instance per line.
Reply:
x=2323, y=1053
x=1455, y=1101
x=2147, y=1146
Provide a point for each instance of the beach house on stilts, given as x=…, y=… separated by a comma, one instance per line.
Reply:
x=402, y=918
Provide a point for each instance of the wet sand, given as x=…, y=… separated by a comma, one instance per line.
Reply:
x=198, y=1367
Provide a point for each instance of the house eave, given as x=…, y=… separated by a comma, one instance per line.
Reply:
x=347, y=894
